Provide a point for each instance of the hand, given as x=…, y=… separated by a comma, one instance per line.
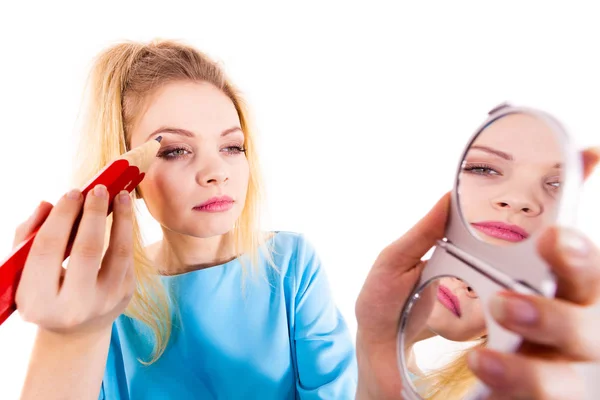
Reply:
x=536, y=371
x=94, y=289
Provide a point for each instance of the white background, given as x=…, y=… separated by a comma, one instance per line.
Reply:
x=362, y=109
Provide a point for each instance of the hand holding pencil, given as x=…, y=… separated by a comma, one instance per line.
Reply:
x=95, y=288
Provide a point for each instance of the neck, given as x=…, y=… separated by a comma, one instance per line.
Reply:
x=177, y=253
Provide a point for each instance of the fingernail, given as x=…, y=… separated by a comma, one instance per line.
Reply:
x=487, y=365
x=124, y=197
x=574, y=246
x=74, y=194
x=513, y=309
x=100, y=191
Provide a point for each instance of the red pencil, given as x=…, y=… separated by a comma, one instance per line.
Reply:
x=124, y=173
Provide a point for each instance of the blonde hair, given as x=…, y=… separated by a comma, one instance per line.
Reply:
x=121, y=80
x=452, y=381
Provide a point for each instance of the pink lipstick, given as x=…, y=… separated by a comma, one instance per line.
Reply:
x=215, y=204
x=501, y=230
x=449, y=300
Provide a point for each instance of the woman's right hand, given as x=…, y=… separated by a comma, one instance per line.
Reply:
x=94, y=289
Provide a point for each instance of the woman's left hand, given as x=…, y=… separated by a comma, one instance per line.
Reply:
x=564, y=329
x=557, y=331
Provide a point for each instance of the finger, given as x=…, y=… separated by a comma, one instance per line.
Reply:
x=44, y=262
x=576, y=263
x=590, y=158
x=32, y=223
x=119, y=255
x=550, y=322
x=86, y=254
x=520, y=377
x=407, y=251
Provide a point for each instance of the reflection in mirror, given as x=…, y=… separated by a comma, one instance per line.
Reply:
x=445, y=322
x=510, y=179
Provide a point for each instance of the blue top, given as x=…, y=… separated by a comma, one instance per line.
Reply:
x=282, y=337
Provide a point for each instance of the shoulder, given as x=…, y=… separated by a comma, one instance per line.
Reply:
x=296, y=257
x=294, y=247
x=291, y=241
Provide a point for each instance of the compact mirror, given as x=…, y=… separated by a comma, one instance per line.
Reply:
x=445, y=322
x=510, y=179
x=518, y=174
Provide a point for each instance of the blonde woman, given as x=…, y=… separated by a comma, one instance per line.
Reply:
x=217, y=308
x=455, y=314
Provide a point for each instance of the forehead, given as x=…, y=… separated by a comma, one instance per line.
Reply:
x=196, y=106
x=524, y=137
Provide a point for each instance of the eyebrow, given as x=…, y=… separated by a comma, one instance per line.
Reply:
x=502, y=154
x=498, y=153
x=185, y=132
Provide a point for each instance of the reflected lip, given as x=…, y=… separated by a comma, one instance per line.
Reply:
x=502, y=230
x=216, y=204
x=449, y=300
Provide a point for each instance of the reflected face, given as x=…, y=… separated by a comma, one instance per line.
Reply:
x=510, y=180
x=457, y=314
x=198, y=185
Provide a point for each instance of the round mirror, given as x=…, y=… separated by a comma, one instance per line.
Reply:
x=510, y=179
x=444, y=321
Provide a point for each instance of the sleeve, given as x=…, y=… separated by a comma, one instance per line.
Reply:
x=325, y=355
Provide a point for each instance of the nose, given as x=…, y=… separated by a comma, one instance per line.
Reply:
x=212, y=172
x=464, y=286
x=519, y=200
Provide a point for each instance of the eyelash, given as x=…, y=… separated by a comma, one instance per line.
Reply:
x=167, y=154
x=471, y=169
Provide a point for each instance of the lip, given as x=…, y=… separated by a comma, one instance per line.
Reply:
x=449, y=300
x=215, y=204
x=502, y=230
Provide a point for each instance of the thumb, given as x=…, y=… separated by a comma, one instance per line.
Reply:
x=33, y=223
x=407, y=251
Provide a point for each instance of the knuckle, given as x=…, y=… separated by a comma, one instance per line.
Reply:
x=122, y=250
x=72, y=319
x=87, y=250
x=95, y=205
x=45, y=245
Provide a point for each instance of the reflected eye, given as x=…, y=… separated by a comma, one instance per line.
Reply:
x=553, y=185
x=480, y=169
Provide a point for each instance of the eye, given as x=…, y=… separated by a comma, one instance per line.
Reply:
x=480, y=169
x=553, y=185
x=174, y=153
x=232, y=150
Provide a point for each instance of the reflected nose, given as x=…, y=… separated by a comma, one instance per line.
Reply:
x=212, y=172
x=461, y=285
x=518, y=201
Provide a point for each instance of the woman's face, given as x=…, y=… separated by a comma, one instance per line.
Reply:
x=198, y=184
x=457, y=313
x=510, y=180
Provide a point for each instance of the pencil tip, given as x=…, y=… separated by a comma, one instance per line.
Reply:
x=158, y=139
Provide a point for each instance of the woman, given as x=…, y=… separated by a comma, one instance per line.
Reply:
x=510, y=179
x=218, y=308
x=448, y=308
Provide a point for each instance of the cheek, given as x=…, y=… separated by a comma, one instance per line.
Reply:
x=474, y=197
x=241, y=174
x=159, y=187
x=477, y=319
